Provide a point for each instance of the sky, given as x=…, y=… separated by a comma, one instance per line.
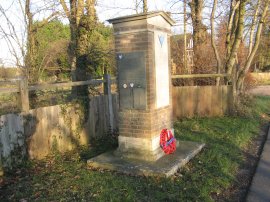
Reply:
x=106, y=9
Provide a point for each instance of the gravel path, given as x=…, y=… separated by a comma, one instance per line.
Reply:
x=261, y=90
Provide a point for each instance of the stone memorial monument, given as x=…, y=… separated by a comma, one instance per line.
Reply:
x=142, y=46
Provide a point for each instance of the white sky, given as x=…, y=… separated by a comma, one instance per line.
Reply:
x=106, y=9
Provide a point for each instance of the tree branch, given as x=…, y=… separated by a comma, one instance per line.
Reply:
x=65, y=8
x=254, y=20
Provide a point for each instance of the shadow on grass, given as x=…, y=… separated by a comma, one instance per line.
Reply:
x=98, y=146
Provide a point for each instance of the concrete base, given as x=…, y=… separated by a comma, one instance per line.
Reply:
x=165, y=166
x=142, y=149
x=141, y=155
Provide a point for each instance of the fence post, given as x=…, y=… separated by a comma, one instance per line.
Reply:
x=107, y=91
x=23, y=95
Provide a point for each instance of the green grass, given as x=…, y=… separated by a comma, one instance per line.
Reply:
x=67, y=178
x=8, y=103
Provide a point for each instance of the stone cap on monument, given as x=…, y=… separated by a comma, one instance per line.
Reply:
x=155, y=18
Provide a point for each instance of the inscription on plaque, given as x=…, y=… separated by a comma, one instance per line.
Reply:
x=132, y=80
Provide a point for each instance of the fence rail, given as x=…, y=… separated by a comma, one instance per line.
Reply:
x=50, y=85
x=189, y=76
x=23, y=90
x=9, y=90
x=64, y=85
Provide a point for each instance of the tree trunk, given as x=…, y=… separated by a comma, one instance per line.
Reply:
x=90, y=10
x=244, y=71
x=199, y=30
x=185, y=38
x=230, y=37
x=73, y=38
x=213, y=41
x=235, y=41
x=31, y=73
x=74, y=15
x=145, y=6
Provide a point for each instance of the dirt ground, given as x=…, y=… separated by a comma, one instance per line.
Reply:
x=261, y=90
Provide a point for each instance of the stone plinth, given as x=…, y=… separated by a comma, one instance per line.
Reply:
x=163, y=167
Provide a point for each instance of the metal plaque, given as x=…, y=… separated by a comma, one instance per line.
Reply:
x=132, y=80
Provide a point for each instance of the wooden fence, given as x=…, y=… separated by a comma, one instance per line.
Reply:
x=34, y=133
x=23, y=91
x=190, y=101
x=62, y=127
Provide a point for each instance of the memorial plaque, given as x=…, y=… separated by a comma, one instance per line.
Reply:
x=132, y=80
x=139, y=98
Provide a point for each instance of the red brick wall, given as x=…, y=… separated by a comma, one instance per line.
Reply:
x=142, y=123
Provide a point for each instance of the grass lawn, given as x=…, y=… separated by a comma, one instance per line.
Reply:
x=67, y=178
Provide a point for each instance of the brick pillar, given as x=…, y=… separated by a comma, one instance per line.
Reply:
x=146, y=107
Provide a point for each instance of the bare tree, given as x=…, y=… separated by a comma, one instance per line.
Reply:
x=253, y=48
x=236, y=24
x=21, y=43
x=15, y=42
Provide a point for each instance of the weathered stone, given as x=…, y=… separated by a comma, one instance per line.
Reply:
x=163, y=167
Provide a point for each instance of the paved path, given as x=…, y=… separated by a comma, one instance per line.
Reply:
x=260, y=187
x=261, y=90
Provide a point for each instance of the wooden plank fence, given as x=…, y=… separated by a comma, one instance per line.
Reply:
x=58, y=127
x=190, y=101
x=23, y=91
x=36, y=132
